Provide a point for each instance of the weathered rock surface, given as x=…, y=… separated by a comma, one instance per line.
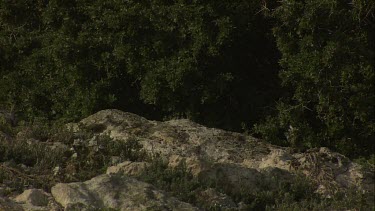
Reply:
x=216, y=154
x=36, y=199
x=117, y=192
x=128, y=168
x=241, y=162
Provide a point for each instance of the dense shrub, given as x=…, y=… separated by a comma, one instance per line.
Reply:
x=212, y=61
x=215, y=62
x=328, y=67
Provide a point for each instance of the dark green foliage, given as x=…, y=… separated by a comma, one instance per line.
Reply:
x=208, y=60
x=215, y=62
x=58, y=65
x=328, y=66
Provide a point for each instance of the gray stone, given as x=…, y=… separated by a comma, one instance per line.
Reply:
x=238, y=161
x=35, y=197
x=115, y=192
x=202, y=148
x=128, y=168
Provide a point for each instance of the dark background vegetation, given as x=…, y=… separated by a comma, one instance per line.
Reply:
x=295, y=73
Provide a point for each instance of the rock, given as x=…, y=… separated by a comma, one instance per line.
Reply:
x=78, y=142
x=332, y=171
x=238, y=178
x=93, y=142
x=128, y=168
x=57, y=171
x=232, y=161
x=114, y=192
x=74, y=156
x=194, y=164
x=36, y=200
x=35, y=197
x=72, y=127
x=279, y=158
x=206, y=150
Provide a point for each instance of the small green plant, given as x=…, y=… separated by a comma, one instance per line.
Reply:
x=5, y=126
x=367, y=163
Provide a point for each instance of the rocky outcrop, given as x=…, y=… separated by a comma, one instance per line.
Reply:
x=36, y=199
x=31, y=199
x=128, y=168
x=117, y=192
x=217, y=154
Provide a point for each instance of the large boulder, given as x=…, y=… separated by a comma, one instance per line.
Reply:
x=236, y=161
x=36, y=199
x=128, y=168
x=208, y=151
x=117, y=192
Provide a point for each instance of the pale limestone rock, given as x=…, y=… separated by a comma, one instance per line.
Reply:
x=241, y=158
x=238, y=161
x=34, y=197
x=115, y=192
x=194, y=164
x=233, y=175
x=276, y=158
x=128, y=168
x=72, y=127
